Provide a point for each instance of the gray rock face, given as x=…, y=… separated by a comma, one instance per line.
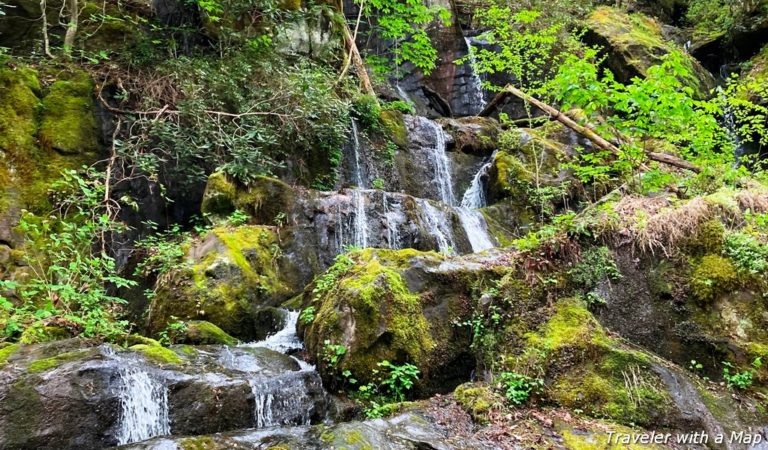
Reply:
x=72, y=394
x=409, y=431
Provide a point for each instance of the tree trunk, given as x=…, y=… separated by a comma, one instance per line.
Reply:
x=354, y=53
x=69, y=37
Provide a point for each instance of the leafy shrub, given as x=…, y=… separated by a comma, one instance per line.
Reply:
x=367, y=111
x=747, y=253
x=70, y=274
x=518, y=388
x=743, y=379
x=403, y=107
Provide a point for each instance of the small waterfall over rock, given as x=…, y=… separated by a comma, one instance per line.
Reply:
x=143, y=406
x=392, y=217
x=473, y=223
x=475, y=87
x=439, y=226
x=285, y=340
x=357, y=171
x=441, y=165
x=361, y=220
x=474, y=197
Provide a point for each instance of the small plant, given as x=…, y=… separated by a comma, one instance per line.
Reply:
x=743, y=379
x=172, y=331
x=367, y=111
x=307, y=315
x=327, y=281
x=398, y=379
x=747, y=253
x=332, y=353
x=399, y=105
x=695, y=366
x=280, y=219
x=518, y=388
x=238, y=217
x=378, y=183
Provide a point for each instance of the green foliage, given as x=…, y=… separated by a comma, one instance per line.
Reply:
x=649, y=110
x=70, y=274
x=242, y=114
x=333, y=353
x=367, y=111
x=747, y=253
x=596, y=265
x=532, y=39
x=518, y=388
x=712, y=18
x=238, y=217
x=401, y=106
x=378, y=183
x=172, y=331
x=404, y=23
x=307, y=315
x=391, y=385
x=161, y=251
x=327, y=281
x=740, y=379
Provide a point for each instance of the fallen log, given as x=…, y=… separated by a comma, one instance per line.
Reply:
x=596, y=139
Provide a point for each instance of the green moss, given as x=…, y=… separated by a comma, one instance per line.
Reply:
x=197, y=443
x=68, y=122
x=712, y=276
x=45, y=364
x=572, y=325
x=7, y=352
x=395, y=125
x=200, y=332
x=158, y=353
x=389, y=324
x=40, y=333
x=478, y=399
x=219, y=196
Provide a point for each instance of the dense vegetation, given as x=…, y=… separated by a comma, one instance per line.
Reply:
x=228, y=123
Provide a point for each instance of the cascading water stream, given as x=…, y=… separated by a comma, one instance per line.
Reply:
x=143, y=406
x=475, y=94
x=442, y=166
x=435, y=220
x=357, y=171
x=361, y=220
x=285, y=340
x=474, y=197
x=473, y=223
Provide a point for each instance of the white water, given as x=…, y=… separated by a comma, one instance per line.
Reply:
x=474, y=225
x=143, y=406
x=441, y=165
x=282, y=401
x=285, y=340
x=361, y=220
x=476, y=84
x=436, y=219
x=474, y=197
x=390, y=216
x=357, y=171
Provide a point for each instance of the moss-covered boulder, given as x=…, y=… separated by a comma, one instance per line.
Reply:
x=225, y=279
x=401, y=306
x=635, y=42
x=473, y=134
x=201, y=332
x=68, y=123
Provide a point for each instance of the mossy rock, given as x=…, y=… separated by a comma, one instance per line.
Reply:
x=6, y=352
x=370, y=311
x=40, y=334
x=158, y=353
x=635, y=42
x=711, y=276
x=46, y=364
x=200, y=332
x=395, y=127
x=68, y=124
x=264, y=199
x=478, y=399
x=478, y=135
x=224, y=280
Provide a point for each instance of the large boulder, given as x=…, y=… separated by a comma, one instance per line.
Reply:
x=78, y=394
x=401, y=306
x=635, y=42
x=230, y=278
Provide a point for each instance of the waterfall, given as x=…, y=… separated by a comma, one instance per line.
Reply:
x=285, y=340
x=393, y=234
x=361, y=220
x=474, y=226
x=474, y=197
x=476, y=84
x=442, y=165
x=435, y=219
x=283, y=400
x=357, y=170
x=143, y=406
